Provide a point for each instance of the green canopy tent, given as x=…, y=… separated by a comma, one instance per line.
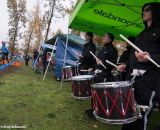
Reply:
x=115, y=16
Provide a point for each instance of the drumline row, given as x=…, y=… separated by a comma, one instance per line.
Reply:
x=113, y=102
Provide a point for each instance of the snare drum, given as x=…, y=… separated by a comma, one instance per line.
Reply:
x=81, y=86
x=114, y=102
x=69, y=71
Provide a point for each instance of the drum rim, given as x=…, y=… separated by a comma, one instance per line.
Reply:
x=80, y=98
x=75, y=78
x=68, y=66
x=115, y=121
x=112, y=84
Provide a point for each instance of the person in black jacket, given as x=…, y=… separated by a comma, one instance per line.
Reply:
x=148, y=76
x=108, y=52
x=124, y=59
x=35, y=56
x=87, y=60
x=26, y=59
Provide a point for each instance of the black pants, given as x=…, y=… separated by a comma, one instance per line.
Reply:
x=144, y=85
x=26, y=62
x=5, y=56
x=44, y=66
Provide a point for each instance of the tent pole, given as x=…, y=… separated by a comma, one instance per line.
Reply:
x=49, y=61
x=64, y=61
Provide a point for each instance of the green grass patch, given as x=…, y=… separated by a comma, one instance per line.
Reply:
x=26, y=100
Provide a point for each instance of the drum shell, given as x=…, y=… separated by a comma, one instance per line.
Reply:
x=81, y=86
x=69, y=71
x=120, y=96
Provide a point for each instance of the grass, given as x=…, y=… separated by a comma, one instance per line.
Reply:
x=26, y=100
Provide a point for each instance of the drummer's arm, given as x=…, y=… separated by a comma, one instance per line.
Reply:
x=156, y=57
x=87, y=54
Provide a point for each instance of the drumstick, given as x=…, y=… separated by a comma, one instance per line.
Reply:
x=138, y=49
x=77, y=53
x=97, y=59
x=109, y=62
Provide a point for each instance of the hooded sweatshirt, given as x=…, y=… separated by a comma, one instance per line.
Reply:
x=149, y=40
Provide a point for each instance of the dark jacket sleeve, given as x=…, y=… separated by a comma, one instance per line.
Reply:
x=86, y=54
x=156, y=58
x=112, y=56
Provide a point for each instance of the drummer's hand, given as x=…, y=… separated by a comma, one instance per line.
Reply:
x=90, y=69
x=98, y=62
x=121, y=68
x=142, y=56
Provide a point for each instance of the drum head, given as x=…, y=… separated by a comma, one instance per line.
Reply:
x=112, y=84
x=82, y=77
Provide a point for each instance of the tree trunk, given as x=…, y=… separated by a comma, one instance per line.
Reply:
x=50, y=20
x=29, y=40
x=14, y=40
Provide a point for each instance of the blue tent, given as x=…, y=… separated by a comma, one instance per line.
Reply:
x=75, y=44
x=3, y=66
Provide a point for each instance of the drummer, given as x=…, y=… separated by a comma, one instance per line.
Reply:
x=108, y=52
x=86, y=60
x=124, y=59
x=148, y=74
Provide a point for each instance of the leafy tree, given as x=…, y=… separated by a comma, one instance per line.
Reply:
x=33, y=34
x=56, y=9
x=17, y=20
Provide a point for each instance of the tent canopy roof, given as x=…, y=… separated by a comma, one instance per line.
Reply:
x=71, y=37
x=114, y=16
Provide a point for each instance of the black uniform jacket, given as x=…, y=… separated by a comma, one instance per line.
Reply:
x=148, y=40
x=108, y=52
x=87, y=60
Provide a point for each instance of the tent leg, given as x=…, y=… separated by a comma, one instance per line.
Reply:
x=49, y=61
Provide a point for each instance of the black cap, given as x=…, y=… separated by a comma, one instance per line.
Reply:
x=90, y=34
x=111, y=36
x=131, y=38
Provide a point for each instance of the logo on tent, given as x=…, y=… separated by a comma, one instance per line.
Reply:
x=113, y=17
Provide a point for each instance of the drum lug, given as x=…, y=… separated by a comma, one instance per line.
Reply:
x=107, y=111
x=139, y=115
x=124, y=113
x=96, y=109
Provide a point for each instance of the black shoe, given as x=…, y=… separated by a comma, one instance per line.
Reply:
x=89, y=113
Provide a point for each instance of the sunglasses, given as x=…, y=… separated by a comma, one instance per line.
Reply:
x=147, y=9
